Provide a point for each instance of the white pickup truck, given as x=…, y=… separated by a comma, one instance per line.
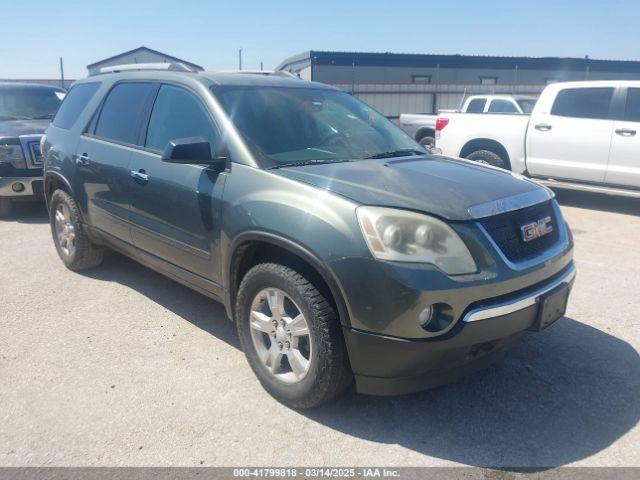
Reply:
x=422, y=126
x=580, y=135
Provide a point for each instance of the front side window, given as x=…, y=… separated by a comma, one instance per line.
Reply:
x=297, y=125
x=632, y=111
x=583, y=103
x=27, y=103
x=502, y=106
x=121, y=115
x=177, y=114
x=476, y=105
x=74, y=102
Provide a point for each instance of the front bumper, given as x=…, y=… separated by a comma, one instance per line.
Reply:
x=385, y=365
x=21, y=187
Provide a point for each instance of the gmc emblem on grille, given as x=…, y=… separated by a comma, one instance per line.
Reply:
x=533, y=230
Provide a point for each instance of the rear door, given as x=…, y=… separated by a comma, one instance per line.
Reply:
x=624, y=159
x=175, y=207
x=573, y=139
x=103, y=155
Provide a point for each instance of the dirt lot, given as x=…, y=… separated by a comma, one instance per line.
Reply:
x=121, y=366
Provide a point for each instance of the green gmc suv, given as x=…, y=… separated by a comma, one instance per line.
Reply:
x=341, y=249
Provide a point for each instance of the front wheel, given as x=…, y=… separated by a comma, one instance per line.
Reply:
x=291, y=336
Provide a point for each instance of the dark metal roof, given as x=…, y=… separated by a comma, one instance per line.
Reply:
x=29, y=86
x=388, y=59
x=147, y=49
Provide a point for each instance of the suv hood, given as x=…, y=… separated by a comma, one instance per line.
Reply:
x=15, y=128
x=454, y=189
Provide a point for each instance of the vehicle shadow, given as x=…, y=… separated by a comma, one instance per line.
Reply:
x=28, y=212
x=560, y=396
x=203, y=312
x=594, y=201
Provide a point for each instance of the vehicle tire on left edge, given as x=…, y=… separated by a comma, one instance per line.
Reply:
x=74, y=247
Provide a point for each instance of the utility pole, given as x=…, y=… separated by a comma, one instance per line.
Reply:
x=261, y=66
x=240, y=59
x=61, y=73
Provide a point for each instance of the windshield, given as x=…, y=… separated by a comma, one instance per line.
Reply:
x=295, y=126
x=29, y=103
x=527, y=105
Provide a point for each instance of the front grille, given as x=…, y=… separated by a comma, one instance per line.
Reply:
x=34, y=152
x=505, y=230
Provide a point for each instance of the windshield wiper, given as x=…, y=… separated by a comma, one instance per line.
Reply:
x=397, y=153
x=309, y=162
x=43, y=117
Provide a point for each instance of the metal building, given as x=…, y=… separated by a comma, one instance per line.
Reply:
x=138, y=55
x=397, y=83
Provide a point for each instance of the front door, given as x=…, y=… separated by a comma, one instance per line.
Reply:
x=103, y=155
x=573, y=140
x=624, y=160
x=175, y=208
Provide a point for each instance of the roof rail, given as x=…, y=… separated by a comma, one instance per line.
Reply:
x=129, y=67
x=275, y=73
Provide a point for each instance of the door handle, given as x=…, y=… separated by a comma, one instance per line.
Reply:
x=543, y=127
x=625, y=132
x=140, y=176
x=83, y=160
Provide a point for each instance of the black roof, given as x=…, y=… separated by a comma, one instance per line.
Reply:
x=388, y=59
x=148, y=50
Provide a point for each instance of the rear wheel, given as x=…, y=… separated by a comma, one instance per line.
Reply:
x=489, y=158
x=291, y=336
x=74, y=247
x=427, y=141
x=5, y=207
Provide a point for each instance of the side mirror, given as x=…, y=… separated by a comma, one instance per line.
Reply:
x=192, y=150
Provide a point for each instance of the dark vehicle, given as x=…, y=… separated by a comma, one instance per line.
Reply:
x=25, y=112
x=339, y=247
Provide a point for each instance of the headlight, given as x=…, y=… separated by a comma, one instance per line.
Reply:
x=403, y=236
x=10, y=153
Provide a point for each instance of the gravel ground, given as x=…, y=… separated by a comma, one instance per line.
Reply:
x=121, y=366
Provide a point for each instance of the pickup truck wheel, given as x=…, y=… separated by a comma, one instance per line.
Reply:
x=291, y=336
x=427, y=141
x=5, y=207
x=488, y=157
x=74, y=247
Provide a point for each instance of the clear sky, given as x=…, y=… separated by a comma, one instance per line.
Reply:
x=35, y=33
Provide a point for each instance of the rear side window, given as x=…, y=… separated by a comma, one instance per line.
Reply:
x=122, y=112
x=583, y=103
x=632, y=112
x=177, y=114
x=502, y=106
x=476, y=105
x=74, y=103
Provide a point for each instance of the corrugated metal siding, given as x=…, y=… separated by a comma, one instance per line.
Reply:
x=393, y=99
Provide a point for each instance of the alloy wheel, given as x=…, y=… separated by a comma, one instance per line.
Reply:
x=280, y=335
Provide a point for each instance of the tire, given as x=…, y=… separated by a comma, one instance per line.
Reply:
x=427, y=141
x=6, y=207
x=74, y=247
x=328, y=372
x=488, y=157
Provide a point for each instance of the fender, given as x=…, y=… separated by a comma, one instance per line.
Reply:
x=59, y=177
x=287, y=244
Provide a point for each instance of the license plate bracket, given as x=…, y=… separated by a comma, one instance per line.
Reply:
x=551, y=307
